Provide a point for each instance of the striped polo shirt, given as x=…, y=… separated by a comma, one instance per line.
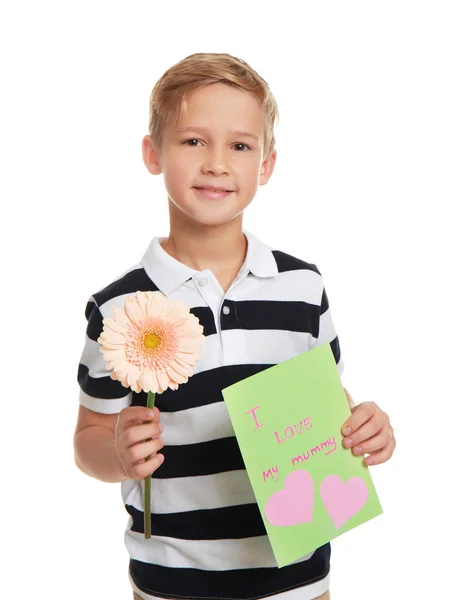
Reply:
x=208, y=538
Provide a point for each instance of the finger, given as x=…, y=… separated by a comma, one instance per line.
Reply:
x=365, y=432
x=134, y=414
x=378, y=442
x=361, y=415
x=378, y=458
x=140, y=452
x=140, y=433
x=142, y=470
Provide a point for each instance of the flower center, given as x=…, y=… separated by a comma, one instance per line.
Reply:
x=151, y=341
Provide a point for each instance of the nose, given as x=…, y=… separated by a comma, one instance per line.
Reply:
x=215, y=162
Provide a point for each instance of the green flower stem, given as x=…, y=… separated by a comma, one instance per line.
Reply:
x=150, y=404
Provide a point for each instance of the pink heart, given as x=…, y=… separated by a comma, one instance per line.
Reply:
x=294, y=504
x=343, y=500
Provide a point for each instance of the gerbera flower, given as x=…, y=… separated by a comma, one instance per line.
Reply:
x=153, y=344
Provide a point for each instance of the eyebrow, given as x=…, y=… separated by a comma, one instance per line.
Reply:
x=204, y=130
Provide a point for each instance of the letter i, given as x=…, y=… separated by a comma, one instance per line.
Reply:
x=252, y=410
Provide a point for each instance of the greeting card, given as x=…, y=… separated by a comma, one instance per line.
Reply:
x=288, y=420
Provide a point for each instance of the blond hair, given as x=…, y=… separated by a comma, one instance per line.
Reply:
x=169, y=94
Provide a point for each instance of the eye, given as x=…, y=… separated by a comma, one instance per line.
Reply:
x=191, y=140
x=241, y=144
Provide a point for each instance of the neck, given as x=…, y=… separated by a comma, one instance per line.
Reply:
x=217, y=247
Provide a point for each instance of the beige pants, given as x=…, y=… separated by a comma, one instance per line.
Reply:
x=325, y=596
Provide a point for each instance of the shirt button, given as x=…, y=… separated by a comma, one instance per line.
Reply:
x=226, y=310
x=203, y=281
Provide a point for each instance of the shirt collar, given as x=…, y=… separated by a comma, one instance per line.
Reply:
x=168, y=273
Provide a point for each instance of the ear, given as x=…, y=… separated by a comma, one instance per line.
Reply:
x=151, y=156
x=267, y=167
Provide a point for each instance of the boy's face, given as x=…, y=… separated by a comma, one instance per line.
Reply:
x=216, y=156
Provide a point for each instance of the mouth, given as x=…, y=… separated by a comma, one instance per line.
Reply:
x=215, y=194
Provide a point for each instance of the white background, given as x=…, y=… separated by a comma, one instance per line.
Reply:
x=370, y=185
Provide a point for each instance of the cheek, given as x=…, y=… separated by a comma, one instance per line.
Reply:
x=176, y=170
x=252, y=173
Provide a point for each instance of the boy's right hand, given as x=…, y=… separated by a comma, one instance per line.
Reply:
x=138, y=440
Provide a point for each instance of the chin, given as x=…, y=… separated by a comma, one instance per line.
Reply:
x=209, y=219
x=209, y=215
x=214, y=222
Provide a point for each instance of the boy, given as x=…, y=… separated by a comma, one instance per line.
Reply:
x=211, y=136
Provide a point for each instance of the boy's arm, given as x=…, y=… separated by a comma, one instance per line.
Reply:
x=101, y=399
x=94, y=445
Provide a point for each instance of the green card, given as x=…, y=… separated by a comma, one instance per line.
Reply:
x=288, y=420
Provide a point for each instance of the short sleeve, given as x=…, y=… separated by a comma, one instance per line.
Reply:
x=327, y=331
x=98, y=391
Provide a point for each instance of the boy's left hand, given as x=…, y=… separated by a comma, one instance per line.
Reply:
x=368, y=431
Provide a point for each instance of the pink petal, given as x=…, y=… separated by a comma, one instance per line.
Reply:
x=144, y=300
x=145, y=379
x=173, y=374
x=120, y=366
x=181, y=368
x=119, y=316
x=113, y=354
x=190, y=344
x=115, y=326
x=158, y=305
x=179, y=322
x=109, y=345
x=177, y=309
x=118, y=377
x=191, y=328
x=134, y=312
x=133, y=374
x=187, y=359
x=113, y=337
x=137, y=387
x=163, y=378
x=154, y=384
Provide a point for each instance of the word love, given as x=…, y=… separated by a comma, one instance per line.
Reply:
x=289, y=432
x=295, y=429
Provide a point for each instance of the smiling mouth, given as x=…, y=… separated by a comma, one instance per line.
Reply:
x=214, y=194
x=218, y=190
